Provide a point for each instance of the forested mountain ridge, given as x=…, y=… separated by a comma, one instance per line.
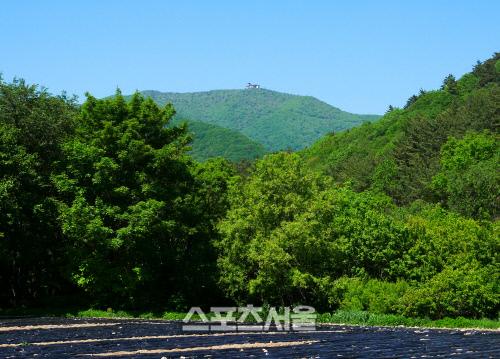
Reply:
x=402, y=152
x=279, y=121
x=103, y=205
x=397, y=216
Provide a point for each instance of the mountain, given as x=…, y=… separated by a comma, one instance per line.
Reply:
x=408, y=152
x=276, y=120
x=215, y=141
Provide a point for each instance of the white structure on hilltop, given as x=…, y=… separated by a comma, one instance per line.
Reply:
x=252, y=86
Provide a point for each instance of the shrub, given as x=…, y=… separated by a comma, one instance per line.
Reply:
x=371, y=295
x=468, y=291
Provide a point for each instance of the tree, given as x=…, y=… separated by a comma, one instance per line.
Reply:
x=467, y=291
x=450, y=84
x=411, y=100
x=289, y=234
x=278, y=190
x=416, y=159
x=129, y=204
x=33, y=125
x=469, y=181
x=488, y=71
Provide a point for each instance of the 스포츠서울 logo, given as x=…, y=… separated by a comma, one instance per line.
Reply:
x=250, y=318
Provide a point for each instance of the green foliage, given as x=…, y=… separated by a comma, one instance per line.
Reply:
x=441, y=238
x=487, y=71
x=211, y=141
x=450, y=84
x=289, y=233
x=276, y=120
x=103, y=204
x=469, y=179
x=291, y=236
x=278, y=191
x=213, y=178
x=132, y=204
x=400, y=154
x=467, y=84
x=371, y=295
x=353, y=155
x=469, y=291
x=367, y=318
x=33, y=124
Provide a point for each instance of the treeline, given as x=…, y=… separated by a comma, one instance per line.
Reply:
x=406, y=154
x=294, y=236
x=101, y=205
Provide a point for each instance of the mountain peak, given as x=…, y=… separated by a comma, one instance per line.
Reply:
x=274, y=119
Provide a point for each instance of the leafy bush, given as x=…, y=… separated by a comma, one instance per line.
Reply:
x=441, y=238
x=468, y=291
x=370, y=295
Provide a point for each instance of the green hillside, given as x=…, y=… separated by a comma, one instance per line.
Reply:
x=277, y=120
x=214, y=141
x=102, y=205
x=402, y=153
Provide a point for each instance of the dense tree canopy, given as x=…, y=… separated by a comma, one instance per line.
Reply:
x=468, y=180
x=131, y=208
x=33, y=125
x=291, y=236
x=102, y=203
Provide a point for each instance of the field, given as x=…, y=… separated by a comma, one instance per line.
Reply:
x=140, y=338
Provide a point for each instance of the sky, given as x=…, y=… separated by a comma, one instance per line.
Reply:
x=360, y=56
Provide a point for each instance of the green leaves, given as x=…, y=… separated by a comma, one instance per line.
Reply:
x=285, y=221
x=268, y=120
x=400, y=153
x=291, y=236
x=33, y=124
x=127, y=206
x=103, y=202
x=467, y=291
x=469, y=181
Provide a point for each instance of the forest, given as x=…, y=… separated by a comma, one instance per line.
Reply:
x=275, y=120
x=102, y=205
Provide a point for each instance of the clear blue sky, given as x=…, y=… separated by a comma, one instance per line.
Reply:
x=360, y=56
